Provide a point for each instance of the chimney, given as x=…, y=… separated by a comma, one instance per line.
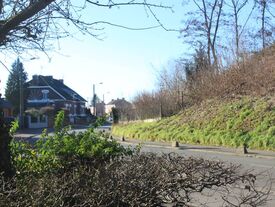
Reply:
x=61, y=80
x=35, y=79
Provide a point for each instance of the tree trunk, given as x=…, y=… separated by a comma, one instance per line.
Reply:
x=236, y=27
x=5, y=156
x=263, y=23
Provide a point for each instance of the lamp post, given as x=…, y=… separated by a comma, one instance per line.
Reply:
x=94, y=99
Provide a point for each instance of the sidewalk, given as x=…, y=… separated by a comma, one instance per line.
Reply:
x=30, y=133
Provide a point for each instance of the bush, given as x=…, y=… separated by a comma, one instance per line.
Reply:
x=139, y=180
x=52, y=152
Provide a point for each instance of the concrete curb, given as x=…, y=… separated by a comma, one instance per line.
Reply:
x=195, y=150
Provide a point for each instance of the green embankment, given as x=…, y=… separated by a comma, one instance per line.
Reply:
x=225, y=123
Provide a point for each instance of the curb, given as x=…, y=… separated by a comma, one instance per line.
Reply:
x=198, y=150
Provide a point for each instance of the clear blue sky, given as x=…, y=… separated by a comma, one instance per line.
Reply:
x=125, y=61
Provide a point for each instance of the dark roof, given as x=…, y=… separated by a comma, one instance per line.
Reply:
x=119, y=102
x=5, y=104
x=57, y=85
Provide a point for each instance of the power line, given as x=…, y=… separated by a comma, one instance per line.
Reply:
x=5, y=66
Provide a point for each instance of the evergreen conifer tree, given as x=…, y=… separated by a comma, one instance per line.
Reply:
x=15, y=85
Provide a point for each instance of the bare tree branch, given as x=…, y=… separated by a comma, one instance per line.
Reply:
x=26, y=24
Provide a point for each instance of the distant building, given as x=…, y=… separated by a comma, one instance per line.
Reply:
x=46, y=96
x=124, y=107
x=99, y=109
x=7, y=108
x=117, y=103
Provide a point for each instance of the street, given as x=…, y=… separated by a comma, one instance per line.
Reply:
x=257, y=162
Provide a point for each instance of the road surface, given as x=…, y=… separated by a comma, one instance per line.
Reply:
x=264, y=163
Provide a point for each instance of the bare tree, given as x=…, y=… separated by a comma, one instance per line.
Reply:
x=205, y=23
x=267, y=17
x=171, y=82
x=29, y=24
x=147, y=105
x=237, y=6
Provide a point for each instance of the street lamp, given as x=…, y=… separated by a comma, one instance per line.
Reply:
x=94, y=98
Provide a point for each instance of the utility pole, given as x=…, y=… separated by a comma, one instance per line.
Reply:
x=94, y=97
x=21, y=104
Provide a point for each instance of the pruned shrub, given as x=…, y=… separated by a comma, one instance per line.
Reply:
x=139, y=180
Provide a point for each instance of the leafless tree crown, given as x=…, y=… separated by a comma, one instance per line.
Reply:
x=30, y=24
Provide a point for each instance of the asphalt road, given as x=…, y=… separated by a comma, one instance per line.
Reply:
x=262, y=165
x=248, y=161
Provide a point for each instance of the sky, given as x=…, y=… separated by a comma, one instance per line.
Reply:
x=125, y=61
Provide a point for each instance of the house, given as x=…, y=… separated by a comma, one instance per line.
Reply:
x=124, y=107
x=118, y=103
x=46, y=96
x=99, y=109
x=6, y=109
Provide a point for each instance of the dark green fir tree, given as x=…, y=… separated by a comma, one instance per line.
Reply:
x=15, y=86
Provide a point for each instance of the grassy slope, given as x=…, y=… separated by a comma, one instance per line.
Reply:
x=226, y=123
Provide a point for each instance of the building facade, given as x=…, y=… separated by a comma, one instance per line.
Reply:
x=125, y=109
x=46, y=96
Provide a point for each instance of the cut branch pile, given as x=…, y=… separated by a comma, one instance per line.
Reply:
x=141, y=180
